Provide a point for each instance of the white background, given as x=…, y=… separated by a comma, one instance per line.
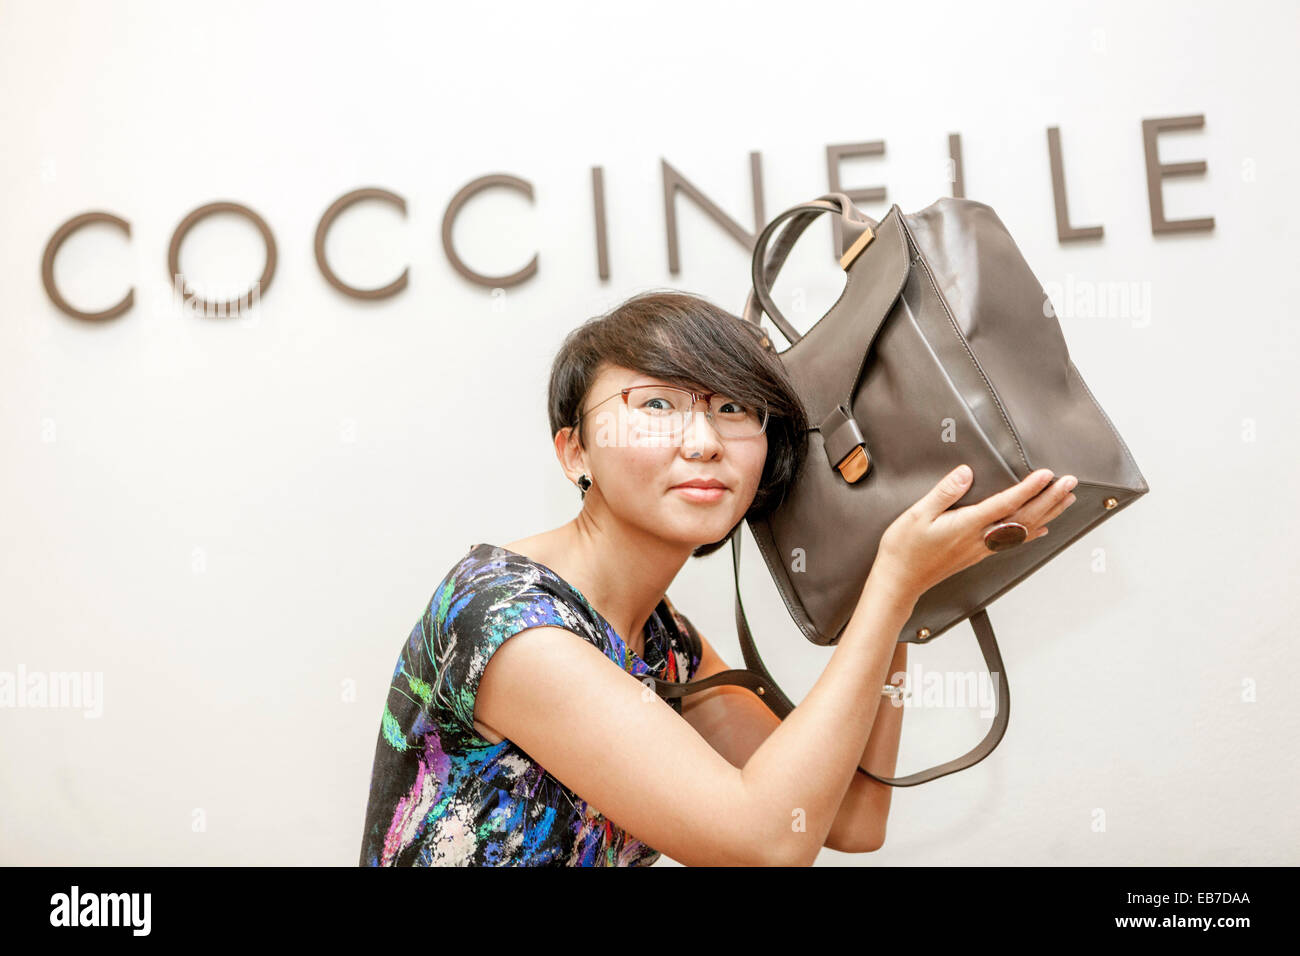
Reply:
x=238, y=522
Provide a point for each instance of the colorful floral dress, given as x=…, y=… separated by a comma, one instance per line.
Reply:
x=443, y=795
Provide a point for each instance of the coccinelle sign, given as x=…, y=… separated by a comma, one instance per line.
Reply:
x=673, y=183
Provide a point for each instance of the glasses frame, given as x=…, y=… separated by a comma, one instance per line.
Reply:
x=696, y=398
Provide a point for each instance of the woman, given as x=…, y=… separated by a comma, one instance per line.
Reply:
x=676, y=423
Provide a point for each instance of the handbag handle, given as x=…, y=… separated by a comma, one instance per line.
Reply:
x=764, y=268
x=755, y=676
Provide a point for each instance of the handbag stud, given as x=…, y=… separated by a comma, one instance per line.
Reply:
x=1111, y=503
x=923, y=633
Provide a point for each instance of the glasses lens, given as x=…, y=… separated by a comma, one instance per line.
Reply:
x=657, y=410
x=734, y=419
x=664, y=410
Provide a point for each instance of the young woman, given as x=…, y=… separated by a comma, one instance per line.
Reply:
x=508, y=737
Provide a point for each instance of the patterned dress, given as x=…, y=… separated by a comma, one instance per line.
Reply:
x=443, y=795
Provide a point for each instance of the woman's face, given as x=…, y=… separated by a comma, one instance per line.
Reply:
x=635, y=475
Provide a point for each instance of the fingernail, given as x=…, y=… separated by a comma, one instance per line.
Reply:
x=1069, y=483
x=962, y=474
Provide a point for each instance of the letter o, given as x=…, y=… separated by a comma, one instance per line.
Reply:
x=193, y=219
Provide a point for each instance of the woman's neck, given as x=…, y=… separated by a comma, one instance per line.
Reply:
x=622, y=574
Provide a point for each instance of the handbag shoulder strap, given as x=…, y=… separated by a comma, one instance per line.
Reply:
x=756, y=678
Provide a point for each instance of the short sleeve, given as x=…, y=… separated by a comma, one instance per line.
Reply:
x=476, y=609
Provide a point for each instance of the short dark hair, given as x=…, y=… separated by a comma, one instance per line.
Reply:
x=687, y=340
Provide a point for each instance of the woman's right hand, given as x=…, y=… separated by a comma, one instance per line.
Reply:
x=931, y=541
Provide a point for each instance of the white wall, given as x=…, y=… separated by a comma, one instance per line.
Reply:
x=235, y=522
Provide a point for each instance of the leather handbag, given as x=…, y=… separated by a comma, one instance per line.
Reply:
x=943, y=348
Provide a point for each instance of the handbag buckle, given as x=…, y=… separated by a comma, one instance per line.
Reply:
x=855, y=466
x=845, y=447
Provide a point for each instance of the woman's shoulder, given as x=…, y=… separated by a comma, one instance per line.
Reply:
x=484, y=563
x=486, y=571
x=494, y=586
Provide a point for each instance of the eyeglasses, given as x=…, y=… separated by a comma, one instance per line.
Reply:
x=662, y=412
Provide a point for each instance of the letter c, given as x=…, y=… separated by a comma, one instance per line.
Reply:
x=449, y=220
x=322, y=230
x=52, y=250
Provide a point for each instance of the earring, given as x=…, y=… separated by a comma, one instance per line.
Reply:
x=584, y=483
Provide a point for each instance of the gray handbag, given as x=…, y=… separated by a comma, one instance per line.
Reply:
x=943, y=348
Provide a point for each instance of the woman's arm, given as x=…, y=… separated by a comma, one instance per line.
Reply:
x=735, y=722
x=620, y=747
x=860, y=824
